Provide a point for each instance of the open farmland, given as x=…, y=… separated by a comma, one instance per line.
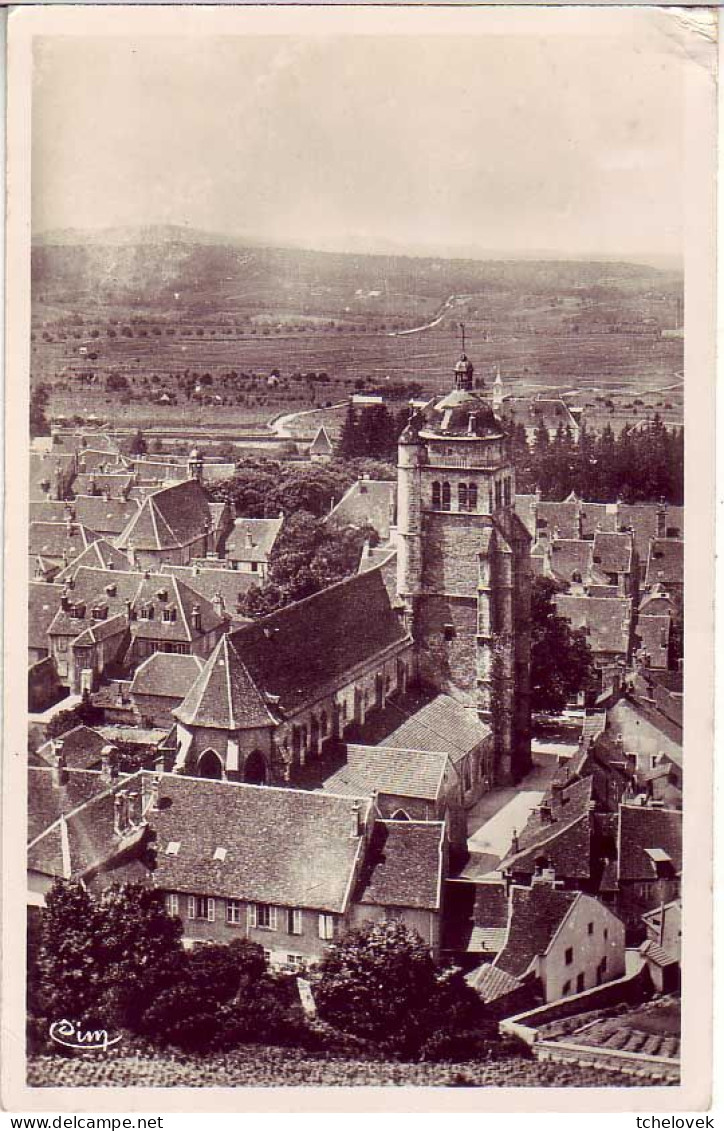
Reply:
x=174, y=328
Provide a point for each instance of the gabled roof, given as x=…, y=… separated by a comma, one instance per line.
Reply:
x=607, y=620
x=653, y=633
x=558, y=520
x=368, y=502
x=99, y=555
x=491, y=905
x=403, y=865
x=598, y=516
x=643, y=828
x=54, y=539
x=43, y=604
x=612, y=553
x=101, y=630
x=321, y=444
x=116, y=483
x=665, y=563
x=98, y=459
x=564, y=840
x=491, y=982
x=252, y=539
x=46, y=802
x=442, y=724
x=535, y=917
x=656, y=603
x=46, y=469
x=382, y=769
x=642, y=519
x=286, y=847
x=81, y=748
x=110, y=589
x=224, y=694
x=50, y=510
x=166, y=675
x=104, y=516
x=569, y=556
x=170, y=518
x=298, y=652
x=229, y=584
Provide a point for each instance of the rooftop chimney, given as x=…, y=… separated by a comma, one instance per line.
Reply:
x=109, y=763
x=217, y=602
x=120, y=813
x=151, y=788
x=196, y=618
x=59, y=769
x=356, y=823
x=545, y=813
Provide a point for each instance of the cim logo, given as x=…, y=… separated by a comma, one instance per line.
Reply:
x=72, y=1036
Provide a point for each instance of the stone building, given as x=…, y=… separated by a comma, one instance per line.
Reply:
x=464, y=564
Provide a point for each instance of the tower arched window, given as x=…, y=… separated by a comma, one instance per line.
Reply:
x=446, y=497
x=472, y=496
x=436, y=495
x=462, y=496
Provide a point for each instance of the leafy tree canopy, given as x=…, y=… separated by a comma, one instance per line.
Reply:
x=561, y=660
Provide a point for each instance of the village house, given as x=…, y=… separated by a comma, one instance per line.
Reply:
x=51, y=475
x=112, y=484
x=249, y=545
x=647, y=868
x=564, y=942
x=224, y=588
x=661, y=949
x=607, y=623
x=174, y=525
x=665, y=568
x=368, y=502
x=289, y=869
x=321, y=449
x=54, y=545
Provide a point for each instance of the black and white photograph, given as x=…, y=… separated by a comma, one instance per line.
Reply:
x=352, y=413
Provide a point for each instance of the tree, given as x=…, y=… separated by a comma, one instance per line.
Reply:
x=381, y=983
x=561, y=662
x=38, y=403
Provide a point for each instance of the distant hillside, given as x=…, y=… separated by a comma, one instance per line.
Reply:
x=173, y=269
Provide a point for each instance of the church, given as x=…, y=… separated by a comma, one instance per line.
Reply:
x=275, y=694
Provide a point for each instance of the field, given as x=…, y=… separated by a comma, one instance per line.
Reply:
x=174, y=318
x=277, y=1067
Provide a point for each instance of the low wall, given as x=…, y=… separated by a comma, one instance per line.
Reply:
x=609, y=1060
x=624, y=991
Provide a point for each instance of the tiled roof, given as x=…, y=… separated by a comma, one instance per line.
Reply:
x=49, y=510
x=47, y=802
x=441, y=725
x=674, y=522
x=111, y=589
x=229, y=584
x=252, y=539
x=171, y=517
x=536, y=913
x=612, y=553
x=403, y=865
x=653, y=633
x=321, y=444
x=43, y=604
x=559, y=519
x=491, y=982
x=283, y=846
x=116, y=483
x=491, y=905
x=45, y=468
x=656, y=954
x=224, y=695
x=92, y=459
x=104, y=516
x=166, y=675
x=99, y=555
x=607, y=619
x=299, y=651
x=81, y=749
x=54, y=539
x=641, y=829
x=597, y=516
x=656, y=603
x=569, y=556
x=367, y=502
x=665, y=563
x=564, y=841
x=401, y=773
x=102, y=630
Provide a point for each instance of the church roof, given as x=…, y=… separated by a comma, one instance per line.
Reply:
x=166, y=675
x=461, y=414
x=441, y=725
x=385, y=769
x=224, y=694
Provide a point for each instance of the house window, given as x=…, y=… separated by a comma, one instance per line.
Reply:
x=172, y=903
x=326, y=927
x=296, y=961
x=202, y=907
x=603, y=965
x=580, y=983
x=263, y=915
x=449, y=632
x=590, y=928
x=436, y=495
x=472, y=496
x=569, y=955
x=254, y=566
x=566, y=989
x=605, y=934
x=294, y=923
x=462, y=496
x=446, y=496
x=233, y=912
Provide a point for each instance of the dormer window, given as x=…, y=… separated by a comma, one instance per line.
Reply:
x=169, y=615
x=173, y=847
x=146, y=612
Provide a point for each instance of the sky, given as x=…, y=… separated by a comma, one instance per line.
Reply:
x=441, y=144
